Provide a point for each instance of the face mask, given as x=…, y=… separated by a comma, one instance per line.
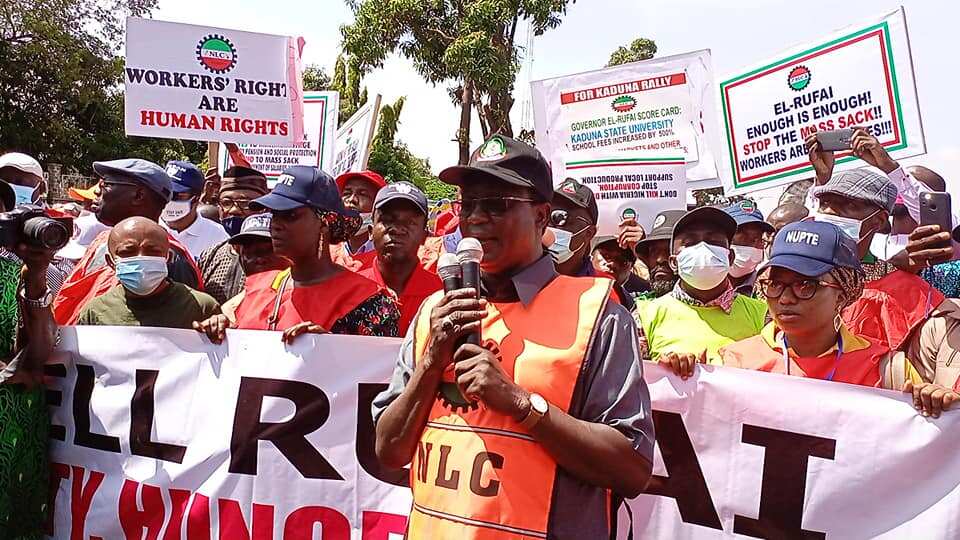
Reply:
x=176, y=210
x=232, y=225
x=886, y=247
x=746, y=260
x=703, y=266
x=24, y=194
x=141, y=275
x=850, y=227
x=560, y=249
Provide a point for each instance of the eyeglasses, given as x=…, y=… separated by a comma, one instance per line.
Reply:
x=242, y=204
x=491, y=206
x=559, y=218
x=802, y=290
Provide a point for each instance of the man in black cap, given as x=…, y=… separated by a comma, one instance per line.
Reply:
x=399, y=229
x=565, y=413
x=130, y=188
x=253, y=250
x=611, y=260
x=573, y=225
x=703, y=312
x=654, y=252
x=314, y=295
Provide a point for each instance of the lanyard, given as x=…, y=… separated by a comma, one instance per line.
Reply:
x=836, y=361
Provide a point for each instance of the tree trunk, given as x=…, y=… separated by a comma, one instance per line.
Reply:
x=497, y=113
x=463, y=134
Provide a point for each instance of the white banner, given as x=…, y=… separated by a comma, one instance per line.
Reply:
x=354, y=138
x=176, y=438
x=859, y=76
x=183, y=81
x=320, y=111
x=633, y=133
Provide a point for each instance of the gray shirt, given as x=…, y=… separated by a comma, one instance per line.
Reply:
x=610, y=390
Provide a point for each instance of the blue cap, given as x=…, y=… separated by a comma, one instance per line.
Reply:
x=186, y=177
x=300, y=186
x=401, y=190
x=745, y=212
x=812, y=248
x=147, y=173
x=255, y=227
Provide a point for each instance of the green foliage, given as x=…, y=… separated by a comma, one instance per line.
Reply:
x=395, y=161
x=315, y=79
x=470, y=44
x=61, y=97
x=640, y=49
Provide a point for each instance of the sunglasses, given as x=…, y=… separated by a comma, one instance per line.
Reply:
x=804, y=289
x=559, y=218
x=491, y=206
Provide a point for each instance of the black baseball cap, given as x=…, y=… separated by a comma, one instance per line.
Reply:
x=662, y=229
x=709, y=214
x=300, y=186
x=506, y=160
x=579, y=195
x=612, y=240
x=401, y=191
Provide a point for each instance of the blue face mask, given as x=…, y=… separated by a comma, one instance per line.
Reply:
x=232, y=224
x=141, y=275
x=23, y=194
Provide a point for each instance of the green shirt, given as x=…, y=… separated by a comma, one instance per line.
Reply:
x=176, y=307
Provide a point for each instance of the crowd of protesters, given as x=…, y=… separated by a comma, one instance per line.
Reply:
x=848, y=287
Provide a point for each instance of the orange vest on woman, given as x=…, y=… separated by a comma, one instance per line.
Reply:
x=477, y=475
x=324, y=303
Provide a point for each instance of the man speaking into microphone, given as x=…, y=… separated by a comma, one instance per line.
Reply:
x=527, y=434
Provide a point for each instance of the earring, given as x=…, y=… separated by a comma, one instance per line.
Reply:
x=837, y=322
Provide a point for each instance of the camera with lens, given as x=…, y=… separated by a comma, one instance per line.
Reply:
x=29, y=224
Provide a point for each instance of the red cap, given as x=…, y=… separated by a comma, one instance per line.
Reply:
x=369, y=176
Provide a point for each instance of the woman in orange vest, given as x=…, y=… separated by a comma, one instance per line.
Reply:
x=812, y=275
x=314, y=295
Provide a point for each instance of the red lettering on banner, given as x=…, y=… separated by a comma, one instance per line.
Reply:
x=81, y=497
x=58, y=473
x=299, y=525
x=198, y=521
x=179, y=498
x=379, y=525
x=133, y=520
x=614, y=90
x=233, y=526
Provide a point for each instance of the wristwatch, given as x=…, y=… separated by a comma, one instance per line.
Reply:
x=538, y=409
x=41, y=303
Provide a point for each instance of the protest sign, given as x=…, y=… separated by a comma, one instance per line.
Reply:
x=320, y=111
x=354, y=138
x=177, y=438
x=859, y=76
x=184, y=81
x=633, y=133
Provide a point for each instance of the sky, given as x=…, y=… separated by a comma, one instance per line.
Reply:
x=738, y=33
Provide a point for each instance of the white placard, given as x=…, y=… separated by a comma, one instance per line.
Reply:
x=354, y=138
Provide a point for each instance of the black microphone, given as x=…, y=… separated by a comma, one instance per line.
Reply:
x=448, y=268
x=469, y=253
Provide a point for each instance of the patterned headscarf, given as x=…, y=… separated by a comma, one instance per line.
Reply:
x=340, y=227
x=851, y=280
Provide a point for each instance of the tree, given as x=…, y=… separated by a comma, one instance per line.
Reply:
x=394, y=160
x=471, y=44
x=315, y=79
x=640, y=49
x=61, y=97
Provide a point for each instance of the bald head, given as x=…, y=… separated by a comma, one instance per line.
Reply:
x=786, y=214
x=928, y=178
x=138, y=236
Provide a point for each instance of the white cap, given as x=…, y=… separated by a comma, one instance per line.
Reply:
x=22, y=162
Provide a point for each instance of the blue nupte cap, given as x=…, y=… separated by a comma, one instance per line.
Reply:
x=745, y=212
x=186, y=177
x=300, y=186
x=812, y=248
x=145, y=172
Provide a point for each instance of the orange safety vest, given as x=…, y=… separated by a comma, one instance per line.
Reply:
x=81, y=287
x=477, y=475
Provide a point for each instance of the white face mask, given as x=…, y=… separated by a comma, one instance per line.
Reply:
x=746, y=260
x=850, y=227
x=560, y=249
x=176, y=210
x=886, y=247
x=703, y=266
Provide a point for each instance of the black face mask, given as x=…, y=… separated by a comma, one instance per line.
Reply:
x=232, y=224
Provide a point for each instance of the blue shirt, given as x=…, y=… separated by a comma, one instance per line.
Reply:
x=945, y=277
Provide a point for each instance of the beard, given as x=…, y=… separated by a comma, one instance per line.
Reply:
x=660, y=287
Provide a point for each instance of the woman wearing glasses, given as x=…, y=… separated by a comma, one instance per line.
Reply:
x=813, y=273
